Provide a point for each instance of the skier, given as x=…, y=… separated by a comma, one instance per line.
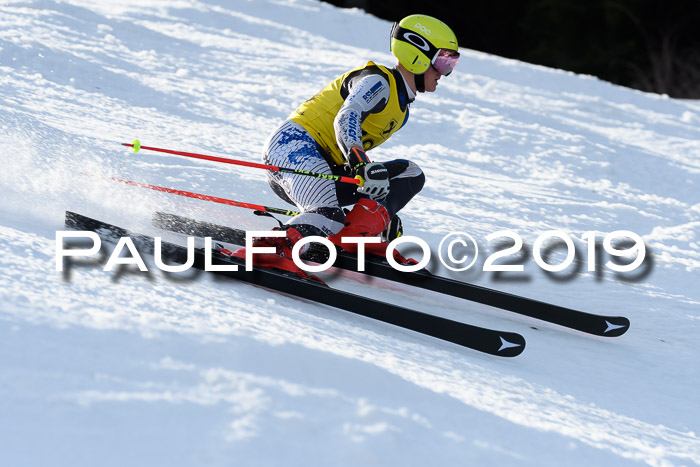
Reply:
x=331, y=132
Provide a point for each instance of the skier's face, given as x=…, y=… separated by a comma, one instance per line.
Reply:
x=432, y=76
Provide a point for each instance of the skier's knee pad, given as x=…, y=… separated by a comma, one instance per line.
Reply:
x=402, y=169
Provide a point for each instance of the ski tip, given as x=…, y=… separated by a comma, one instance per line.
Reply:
x=512, y=345
x=136, y=145
x=616, y=326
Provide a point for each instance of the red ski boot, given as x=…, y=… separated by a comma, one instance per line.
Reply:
x=282, y=258
x=368, y=218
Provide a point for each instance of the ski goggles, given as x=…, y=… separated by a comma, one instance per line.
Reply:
x=445, y=61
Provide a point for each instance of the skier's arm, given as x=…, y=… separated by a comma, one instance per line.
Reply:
x=369, y=94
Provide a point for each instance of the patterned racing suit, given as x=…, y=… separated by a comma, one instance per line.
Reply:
x=362, y=108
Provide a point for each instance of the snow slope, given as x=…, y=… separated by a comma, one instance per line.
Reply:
x=100, y=369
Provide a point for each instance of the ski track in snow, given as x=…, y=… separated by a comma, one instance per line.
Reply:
x=138, y=369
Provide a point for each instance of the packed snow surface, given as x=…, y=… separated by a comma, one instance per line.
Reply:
x=144, y=369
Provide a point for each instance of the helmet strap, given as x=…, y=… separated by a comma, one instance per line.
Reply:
x=420, y=82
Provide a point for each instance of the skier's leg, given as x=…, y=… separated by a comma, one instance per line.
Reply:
x=291, y=146
x=370, y=218
x=406, y=180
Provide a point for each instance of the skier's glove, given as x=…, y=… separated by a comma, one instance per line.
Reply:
x=376, y=179
x=373, y=174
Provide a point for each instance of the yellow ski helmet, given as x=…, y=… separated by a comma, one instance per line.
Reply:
x=417, y=40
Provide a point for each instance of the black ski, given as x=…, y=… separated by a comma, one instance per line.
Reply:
x=503, y=344
x=600, y=325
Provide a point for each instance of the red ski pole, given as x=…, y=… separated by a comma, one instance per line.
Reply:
x=136, y=145
x=215, y=199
